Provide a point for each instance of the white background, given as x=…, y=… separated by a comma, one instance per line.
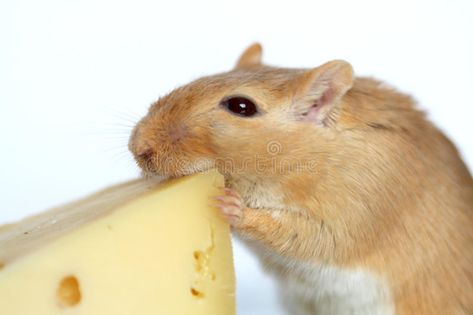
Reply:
x=76, y=75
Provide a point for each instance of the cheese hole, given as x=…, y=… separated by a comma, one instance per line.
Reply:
x=199, y=260
x=197, y=293
x=197, y=255
x=68, y=292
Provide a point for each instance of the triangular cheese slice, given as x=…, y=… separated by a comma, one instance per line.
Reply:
x=137, y=248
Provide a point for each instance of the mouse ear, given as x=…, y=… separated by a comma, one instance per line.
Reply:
x=318, y=91
x=251, y=57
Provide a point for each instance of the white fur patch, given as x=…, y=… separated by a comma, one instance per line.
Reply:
x=316, y=289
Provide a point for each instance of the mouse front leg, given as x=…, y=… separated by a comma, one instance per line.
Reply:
x=289, y=233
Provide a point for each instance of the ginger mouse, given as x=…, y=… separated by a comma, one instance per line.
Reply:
x=350, y=197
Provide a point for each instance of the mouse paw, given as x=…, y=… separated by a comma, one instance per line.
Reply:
x=231, y=206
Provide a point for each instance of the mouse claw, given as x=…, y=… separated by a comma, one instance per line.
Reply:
x=231, y=206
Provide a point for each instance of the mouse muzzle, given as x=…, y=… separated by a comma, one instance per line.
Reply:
x=170, y=149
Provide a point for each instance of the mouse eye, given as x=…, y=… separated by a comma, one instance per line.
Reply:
x=240, y=106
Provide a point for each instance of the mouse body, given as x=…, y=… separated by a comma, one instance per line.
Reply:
x=351, y=198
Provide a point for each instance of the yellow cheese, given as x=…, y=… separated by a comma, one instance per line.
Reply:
x=138, y=248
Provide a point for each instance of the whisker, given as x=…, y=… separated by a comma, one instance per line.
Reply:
x=127, y=116
x=118, y=148
x=117, y=124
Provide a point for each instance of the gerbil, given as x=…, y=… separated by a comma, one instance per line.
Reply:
x=350, y=197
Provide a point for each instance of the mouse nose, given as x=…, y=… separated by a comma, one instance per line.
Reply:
x=145, y=153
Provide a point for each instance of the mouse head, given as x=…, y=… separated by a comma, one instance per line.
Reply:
x=253, y=119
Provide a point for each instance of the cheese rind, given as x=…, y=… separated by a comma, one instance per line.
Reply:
x=158, y=250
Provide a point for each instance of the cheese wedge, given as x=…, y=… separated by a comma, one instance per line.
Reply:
x=137, y=248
